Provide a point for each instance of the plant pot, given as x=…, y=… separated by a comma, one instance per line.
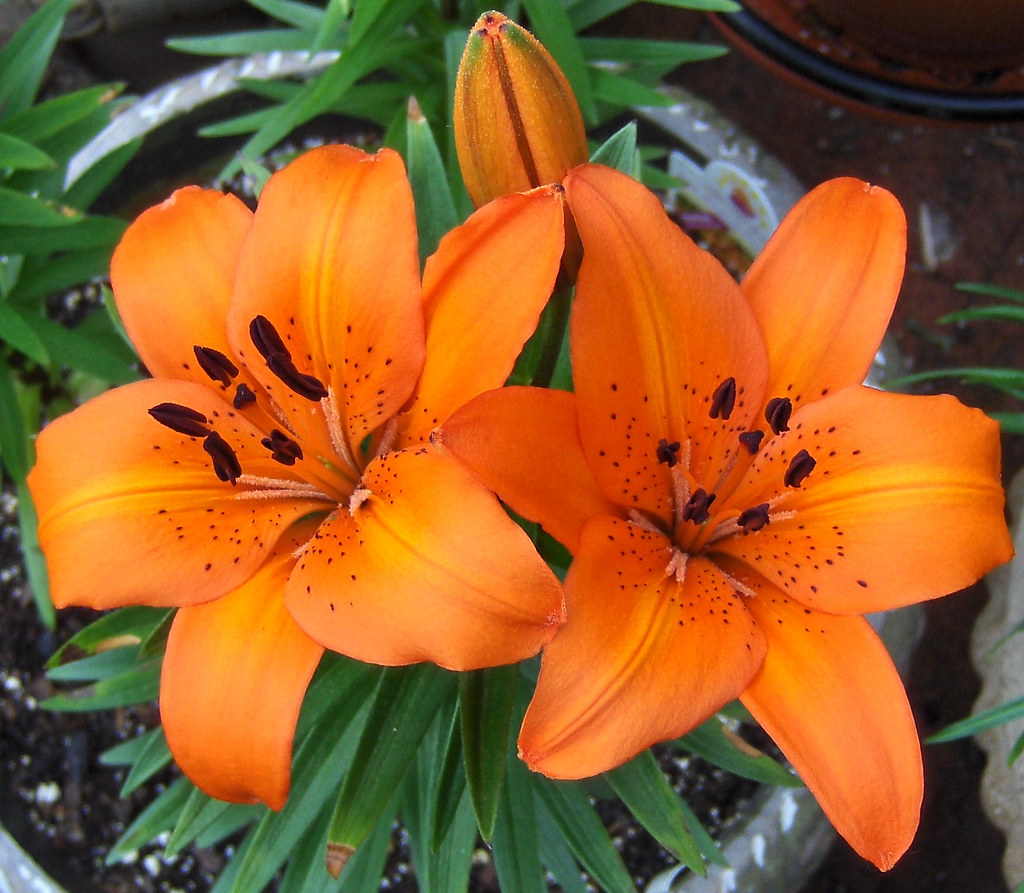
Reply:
x=962, y=59
x=999, y=659
x=747, y=192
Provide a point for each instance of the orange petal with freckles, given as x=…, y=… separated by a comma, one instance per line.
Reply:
x=173, y=274
x=331, y=261
x=658, y=326
x=641, y=658
x=131, y=512
x=824, y=287
x=523, y=444
x=903, y=504
x=233, y=679
x=830, y=697
x=483, y=291
x=428, y=567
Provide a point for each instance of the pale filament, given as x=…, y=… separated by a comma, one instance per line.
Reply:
x=339, y=442
x=273, y=488
x=677, y=565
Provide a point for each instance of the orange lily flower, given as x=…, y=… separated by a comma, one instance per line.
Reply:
x=273, y=480
x=735, y=498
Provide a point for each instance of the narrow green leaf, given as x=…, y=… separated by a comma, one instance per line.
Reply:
x=43, y=121
x=19, y=209
x=18, y=332
x=102, y=665
x=702, y=5
x=128, y=752
x=206, y=820
x=705, y=842
x=709, y=742
x=987, y=719
x=374, y=19
x=138, y=685
x=24, y=58
x=106, y=357
x=620, y=151
x=435, y=209
x=154, y=757
x=992, y=291
x=137, y=621
x=642, y=786
x=584, y=13
x=156, y=818
x=620, y=90
x=661, y=53
x=299, y=15
x=553, y=28
x=1009, y=312
x=449, y=780
x=92, y=232
x=255, y=171
x=332, y=28
x=406, y=702
x=95, y=179
x=556, y=856
x=17, y=154
x=320, y=761
x=243, y=43
x=486, y=702
x=515, y=845
x=31, y=553
x=227, y=823
x=569, y=808
x=46, y=276
x=15, y=448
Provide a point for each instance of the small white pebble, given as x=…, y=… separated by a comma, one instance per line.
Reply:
x=47, y=793
x=757, y=849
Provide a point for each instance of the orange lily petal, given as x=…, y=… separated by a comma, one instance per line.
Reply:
x=172, y=277
x=523, y=444
x=427, y=567
x=483, y=291
x=830, y=697
x=131, y=512
x=233, y=679
x=658, y=327
x=641, y=658
x=824, y=287
x=904, y=503
x=331, y=261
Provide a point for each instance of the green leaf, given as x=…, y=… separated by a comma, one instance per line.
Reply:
x=47, y=276
x=584, y=13
x=620, y=90
x=203, y=814
x=44, y=121
x=406, y=702
x=556, y=856
x=550, y=22
x=96, y=178
x=642, y=786
x=106, y=358
x=136, y=621
x=486, y=702
x=154, y=757
x=330, y=34
x=31, y=553
x=243, y=43
x=620, y=151
x=666, y=54
x=92, y=232
x=227, y=822
x=24, y=58
x=987, y=719
x=19, y=209
x=710, y=742
x=449, y=780
x=435, y=209
x=515, y=844
x=156, y=818
x=19, y=333
x=992, y=291
x=15, y=447
x=298, y=15
x=569, y=808
x=1010, y=422
x=705, y=843
x=1010, y=312
x=16, y=154
x=256, y=171
x=102, y=665
x=138, y=685
x=128, y=752
x=320, y=761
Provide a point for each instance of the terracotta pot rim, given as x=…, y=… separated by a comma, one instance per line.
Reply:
x=822, y=74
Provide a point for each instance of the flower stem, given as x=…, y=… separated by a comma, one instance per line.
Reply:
x=555, y=324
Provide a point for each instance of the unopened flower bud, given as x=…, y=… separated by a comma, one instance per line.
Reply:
x=517, y=124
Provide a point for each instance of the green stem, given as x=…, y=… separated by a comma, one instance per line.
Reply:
x=555, y=324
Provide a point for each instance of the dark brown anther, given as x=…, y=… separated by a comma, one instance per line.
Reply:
x=723, y=400
x=304, y=385
x=181, y=419
x=282, y=448
x=753, y=519
x=265, y=338
x=225, y=462
x=243, y=396
x=801, y=465
x=668, y=453
x=279, y=360
x=752, y=440
x=696, y=508
x=215, y=364
x=777, y=413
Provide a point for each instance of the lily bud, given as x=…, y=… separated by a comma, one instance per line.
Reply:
x=517, y=124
